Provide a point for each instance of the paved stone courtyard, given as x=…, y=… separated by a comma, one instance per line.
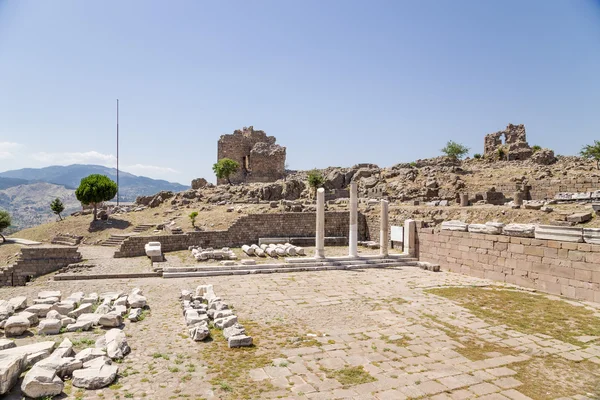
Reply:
x=372, y=334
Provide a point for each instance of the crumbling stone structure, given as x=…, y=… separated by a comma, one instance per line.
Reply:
x=260, y=159
x=515, y=146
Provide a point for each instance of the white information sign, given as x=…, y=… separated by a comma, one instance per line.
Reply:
x=397, y=234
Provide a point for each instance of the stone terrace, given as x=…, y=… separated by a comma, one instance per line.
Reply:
x=382, y=320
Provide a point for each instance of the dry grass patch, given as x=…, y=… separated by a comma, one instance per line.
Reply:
x=350, y=376
x=552, y=377
x=7, y=253
x=525, y=312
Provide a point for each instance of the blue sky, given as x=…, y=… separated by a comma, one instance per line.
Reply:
x=337, y=82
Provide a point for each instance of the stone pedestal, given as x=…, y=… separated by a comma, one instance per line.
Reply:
x=384, y=229
x=464, y=199
x=410, y=237
x=353, y=234
x=320, y=235
x=518, y=198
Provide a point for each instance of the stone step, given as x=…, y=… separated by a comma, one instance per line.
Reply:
x=279, y=268
x=392, y=257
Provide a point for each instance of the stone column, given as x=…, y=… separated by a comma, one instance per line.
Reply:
x=320, y=237
x=384, y=229
x=464, y=199
x=353, y=235
x=409, y=237
x=518, y=198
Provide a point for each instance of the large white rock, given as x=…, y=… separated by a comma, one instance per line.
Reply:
x=226, y=322
x=79, y=326
x=562, y=233
x=239, y=341
x=64, y=307
x=33, y=352
x=135, y=314
x=121, y=301
x=153, y=249
x=115, y=343
x=591, y=235
x=110, y=320
x=454, y=225
x=53, y=314
x=49, y=327
x=91, y=299
x=137, y=301
x=93, y=318
x=40, y=309
x=199, y=332
x=76, y=297
x=16, y=326
x=64, y=321
x=234, y=330
x=11, y=367
x=49, y=293
x=41, y=382
x=46, y=300
x=82, y=309
x=33, y=318
x=63, y=366
x=6, y=310
x=519, y=230
x=95, y=378
x=88, y=354
x=64, y=349
x=18, y=303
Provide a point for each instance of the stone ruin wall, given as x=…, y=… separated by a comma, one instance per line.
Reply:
x=247, y=230
x=556, y=267
x=37, y=261
x=515, y=143
x=260, y=159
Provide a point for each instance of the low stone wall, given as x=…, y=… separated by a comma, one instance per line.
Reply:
x=247, y=230
x=556, y=267
x=543, y=188
x=37, y=261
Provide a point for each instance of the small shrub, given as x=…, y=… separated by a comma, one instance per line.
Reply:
x=477, y=156
x=536, y=148
x=501, y=154
x=193, y=216
x=413, y=164
x=315, y=179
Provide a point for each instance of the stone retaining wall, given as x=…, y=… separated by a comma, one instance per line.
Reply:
x=556, y=267
x=247, y=230
x=37, y=261
x=543, y=188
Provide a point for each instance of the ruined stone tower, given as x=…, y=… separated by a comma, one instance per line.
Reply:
x=260, y=159
x=514, y=147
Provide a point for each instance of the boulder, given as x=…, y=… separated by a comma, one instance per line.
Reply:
x=334, y=180
x=454, y=225
x=11, y=367
x=110, y=320
x=199, y=183
x=49, y=326
x=115, y=343
x=560, y=233
x=543, y=157
x=41, y=382
x=239, y=341
x=95, y=377
x=519, y=230
x=16, y=326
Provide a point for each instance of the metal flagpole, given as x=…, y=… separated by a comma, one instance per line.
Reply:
x=117, y=152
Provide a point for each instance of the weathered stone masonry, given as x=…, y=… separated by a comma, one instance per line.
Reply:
x=37, y=261
x=561, y=268
x=260, y=159
x=248, y=229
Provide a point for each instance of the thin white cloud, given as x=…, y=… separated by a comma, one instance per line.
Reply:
x=140, y=168
x=87, y=157
x=7, y=148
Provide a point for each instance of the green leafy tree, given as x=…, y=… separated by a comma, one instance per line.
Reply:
x=536, y=148
x=95, y=189
x=315, y=180
x=193, y=216
x=477, y=156
x=455, y=150
x=5, y=222
x=57, y=207
x=225, y=167
x=592, y=152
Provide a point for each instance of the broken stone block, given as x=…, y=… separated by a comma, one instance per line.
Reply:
x=137, y=301
x=93, y=318
x=121, y=301
x=64, y=349
x=88, y=354
x=534, y=205
x=33, y=318
x=40, y=309
x=7, y=344
x=135, y=314
x=591, y=235
x=16, y=326
x=34, y=352
x=64, y=307
x=186, y=295
x=91, y=299
x=82, y=309
x=121, y=310
x=40, y=382
x=519, y=230
x=49, y=326
x=239, y=341
x=18, y=303
x=6, y=310
x=115, y=343
x=222, y=314
x=110, y=320
x=454, y=225
x=234, y=330
x=63, y=366
x=11, y=367
x=49, y=293
x=226, y=322
x=485, y=228
x=76, y=297
x=67, y=321
x=580, y=218
x=79, y=326
x=102, y=309
x=248, y=262
x=560, y=233
x=47, y=300
x=199, y=332
x=95, y=378
x=53, y=314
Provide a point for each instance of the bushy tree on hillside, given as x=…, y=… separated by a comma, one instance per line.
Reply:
x=592, y=152
x=193, y=216
x=225, y=167
x=57, y=207
x=455, y=150
x=95, y=189
x=315, y=180
x=4, y=223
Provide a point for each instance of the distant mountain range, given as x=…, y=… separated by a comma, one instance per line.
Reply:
x=26, y=193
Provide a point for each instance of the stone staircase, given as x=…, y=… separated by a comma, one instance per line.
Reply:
x=293, y=265
x=143, y=227
x=114, y=240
